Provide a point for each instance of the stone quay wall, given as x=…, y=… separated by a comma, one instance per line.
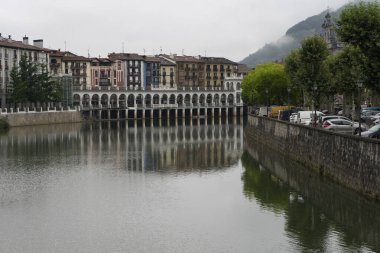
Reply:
x=42, y=118
x=349, y=160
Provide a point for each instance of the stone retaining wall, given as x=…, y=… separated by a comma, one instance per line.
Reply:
x=42, y=118
x=349, y=160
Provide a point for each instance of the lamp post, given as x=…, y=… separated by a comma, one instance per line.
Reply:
x=267, y=91
x=289, y=90
x=360, y=85
x=315, y=88
x=253, y=112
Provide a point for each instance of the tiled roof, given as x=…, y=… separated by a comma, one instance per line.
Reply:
x=18, y=45
x=75, y=58
x=217, y=60
x=242, y=68
x=125, y=56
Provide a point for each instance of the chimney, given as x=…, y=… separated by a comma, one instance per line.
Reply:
x=38, y=43
x=25, y=40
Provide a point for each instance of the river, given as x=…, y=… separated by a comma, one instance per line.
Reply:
x=197, y=187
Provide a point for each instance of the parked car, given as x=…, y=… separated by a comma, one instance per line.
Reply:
x=305, y=117
x=342, y=126
x=328, y=117
x=293, y=118
x=373, y=132
x=264, y=111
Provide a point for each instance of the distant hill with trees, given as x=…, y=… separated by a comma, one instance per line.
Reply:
x=278, y=50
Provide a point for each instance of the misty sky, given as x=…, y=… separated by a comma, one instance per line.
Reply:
x=229, y=28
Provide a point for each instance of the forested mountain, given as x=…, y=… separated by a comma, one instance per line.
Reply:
x=278, y=50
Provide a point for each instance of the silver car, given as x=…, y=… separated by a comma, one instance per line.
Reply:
x=341, y=126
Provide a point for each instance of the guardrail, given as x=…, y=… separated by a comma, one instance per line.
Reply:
x=4, y=111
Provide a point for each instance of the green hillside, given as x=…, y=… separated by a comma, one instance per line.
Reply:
x=278, y=50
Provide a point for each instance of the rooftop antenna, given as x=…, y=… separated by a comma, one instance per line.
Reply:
x=160, y=50
x=144, y=50
x=122, y=47
x=183, y=52
x=205, y=53
x=65, y=45
x=88, y=53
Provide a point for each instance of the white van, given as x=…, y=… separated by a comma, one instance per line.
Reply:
x=264, y=111
x=305, y=117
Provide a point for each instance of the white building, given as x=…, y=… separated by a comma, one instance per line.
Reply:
x=10, y=55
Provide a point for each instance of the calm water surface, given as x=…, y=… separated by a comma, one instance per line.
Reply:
x=195, y=188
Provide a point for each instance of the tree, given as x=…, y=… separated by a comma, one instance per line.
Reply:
x=269, y=77
x=292, y=65
x=359, y=26
x=31, y=83
x=346, y=69
x=313, y=72
x=247, y=86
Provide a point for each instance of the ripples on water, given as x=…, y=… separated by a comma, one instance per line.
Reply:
x=110, y=187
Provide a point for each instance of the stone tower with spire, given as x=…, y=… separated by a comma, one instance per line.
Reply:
x=330, y=35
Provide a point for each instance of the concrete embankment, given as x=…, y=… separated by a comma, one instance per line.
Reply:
x=349, y=160
x=41, y=118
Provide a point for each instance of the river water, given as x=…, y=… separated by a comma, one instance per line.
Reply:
x=110, y=187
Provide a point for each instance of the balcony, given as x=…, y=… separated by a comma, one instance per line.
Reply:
x=215, y=78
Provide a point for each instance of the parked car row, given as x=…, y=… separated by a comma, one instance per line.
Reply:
x=335, y=123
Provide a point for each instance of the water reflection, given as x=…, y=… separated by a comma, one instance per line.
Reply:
x=320, y=215
x=166, y=149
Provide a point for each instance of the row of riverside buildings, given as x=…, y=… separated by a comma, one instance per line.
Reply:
x=128, y=70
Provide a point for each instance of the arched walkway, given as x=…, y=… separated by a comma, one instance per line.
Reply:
x=104, y=100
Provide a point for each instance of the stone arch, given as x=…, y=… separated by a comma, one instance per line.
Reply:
x=156, y=99
x=76, y=100
x=104, y=100
x=131, y=100
x=238, y=86
x=139, y=100
x=122, y=100
x=202, y=99
x=86, y=100
x=209, y=99
x=172, y=99
x=216, y=99
x=195, y=99
x=148, y=100
x=164, y=99
x=95, y=100
x=230, y=99
x=223, y=99
x=113, y=100
x=180, y=99
x=238, y=98
x=187, y=99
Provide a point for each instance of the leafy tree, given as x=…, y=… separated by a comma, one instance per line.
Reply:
x=247, y=86
x=31, y=83
x=313, y=72
x=359, y=26
x=347, y=68
x=269, y=77
x=292, y=65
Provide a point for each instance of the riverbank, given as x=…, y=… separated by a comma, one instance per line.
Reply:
x=41, y=118
x=349, y=160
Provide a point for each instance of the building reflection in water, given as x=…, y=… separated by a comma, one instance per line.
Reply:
x=316, y=210
x=173, y=148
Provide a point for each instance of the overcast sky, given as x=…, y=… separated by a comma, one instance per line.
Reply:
x=228, y=28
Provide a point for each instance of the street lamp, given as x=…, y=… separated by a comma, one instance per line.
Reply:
x=315, y=88
x=360, y=85
x=266, y=91
x=289, y=90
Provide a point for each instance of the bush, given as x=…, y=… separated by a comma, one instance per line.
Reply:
x=3, y=125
